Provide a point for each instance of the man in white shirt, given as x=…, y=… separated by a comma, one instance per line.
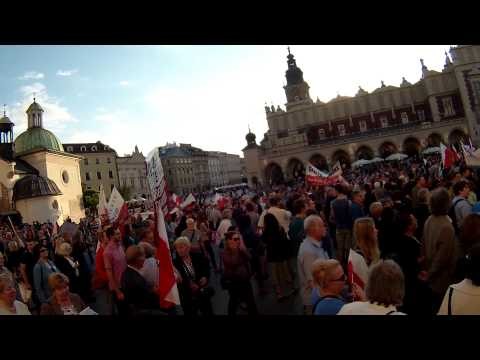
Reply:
x=283, y=216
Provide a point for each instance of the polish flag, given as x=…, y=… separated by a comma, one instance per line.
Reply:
x=448, y=156
x=167, y=289
x=357, y=269
x=103, y=207
x=188, y=201
x=117, y=209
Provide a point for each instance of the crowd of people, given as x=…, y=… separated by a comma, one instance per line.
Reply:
x=412, y=226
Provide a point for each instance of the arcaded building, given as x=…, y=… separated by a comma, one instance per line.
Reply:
x=442, y=106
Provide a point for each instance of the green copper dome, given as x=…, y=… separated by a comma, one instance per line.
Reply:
x=37, y=138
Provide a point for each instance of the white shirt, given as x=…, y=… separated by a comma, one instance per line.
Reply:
x=223, y=228
x=150, y=271
x=367, y=308
x=465, y=299
x=282, y=216
x=20, y=308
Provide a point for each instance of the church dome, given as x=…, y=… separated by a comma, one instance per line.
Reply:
x=31, y=186
x=5, y=120
x=37, y=138
x=34, y=107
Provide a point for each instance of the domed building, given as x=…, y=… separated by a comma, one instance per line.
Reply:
x=38, y=179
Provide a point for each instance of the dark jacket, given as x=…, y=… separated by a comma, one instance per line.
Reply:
x=139, y=297
x=53, y=308
x=421, y=213
x=64, y=266
x=201, y=268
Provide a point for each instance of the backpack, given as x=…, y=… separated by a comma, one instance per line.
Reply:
x=453, y=216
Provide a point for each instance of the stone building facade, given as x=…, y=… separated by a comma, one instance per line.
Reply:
x=442, y=106
x=98, y=167
x=190, y=169
x=132, y=173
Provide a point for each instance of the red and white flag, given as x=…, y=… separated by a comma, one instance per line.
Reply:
x=448, y=156
x=188, y=201
x=357, y=269
x=103, y=207
x=117, y=209
x=167, y=289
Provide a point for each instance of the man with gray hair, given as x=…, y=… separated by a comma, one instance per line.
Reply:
x=310, y=250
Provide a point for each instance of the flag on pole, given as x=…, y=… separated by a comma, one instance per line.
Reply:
x=167, y=289
x=188, y=201
x=117, y=209
x=357, y=270
x=448, y=156
x=102, y=207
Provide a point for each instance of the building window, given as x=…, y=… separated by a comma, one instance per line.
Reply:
x=65, y=176
x=87, y=176
x=132, y=181
x=108, y=161
x=363, y=125
x=341, y=129
x=70, y=149
x=448, y=109
x=321, y=134
x=383, y=121
x=124, y=182
x=86, y=161
x=99, y=175
x=97, y=161
x=110, y=174
x=404, y=117
x=83, y=148
x=421, y=115
x=111, y=187
x=94, y=148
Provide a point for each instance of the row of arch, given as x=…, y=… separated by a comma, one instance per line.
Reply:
x=411, y=146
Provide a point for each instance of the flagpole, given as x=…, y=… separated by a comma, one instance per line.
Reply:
x=15, y=232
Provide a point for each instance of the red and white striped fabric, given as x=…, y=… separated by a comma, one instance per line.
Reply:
x=357, y=269
x=317, y=177
x=102, y=207
x=167, y=289
x=117, y=210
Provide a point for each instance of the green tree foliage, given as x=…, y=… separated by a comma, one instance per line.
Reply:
x=90, y=199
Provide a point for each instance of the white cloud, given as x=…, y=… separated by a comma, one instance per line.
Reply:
x=67, y=72
x=56, y=117
x=124, y=83
x=32, y=75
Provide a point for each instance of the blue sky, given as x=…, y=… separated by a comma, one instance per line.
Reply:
x=203, y=95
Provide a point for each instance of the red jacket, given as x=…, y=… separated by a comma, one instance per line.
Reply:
x=100, y=278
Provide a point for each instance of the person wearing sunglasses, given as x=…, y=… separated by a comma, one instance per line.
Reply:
x=237, y=273
x=41, y=271
x=329, y=280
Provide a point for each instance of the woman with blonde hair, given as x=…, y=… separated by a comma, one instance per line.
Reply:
x=329, y=280
x=68, y=265
x=62, y=301
x=366, y=252
x=8, y=303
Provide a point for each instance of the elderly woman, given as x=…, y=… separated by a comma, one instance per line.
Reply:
x=464, y=298
x=329, y=280
x=68, y=265
x=439, y=247
x=8, y=303
x=237, y=273
x=41, y=272
x=193, y=267
x=385, y=291
x=62, y=302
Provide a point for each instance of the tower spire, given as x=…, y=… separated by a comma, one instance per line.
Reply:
x=288, y=48
x=4, y=112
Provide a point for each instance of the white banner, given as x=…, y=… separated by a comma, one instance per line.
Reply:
x=156, y=179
